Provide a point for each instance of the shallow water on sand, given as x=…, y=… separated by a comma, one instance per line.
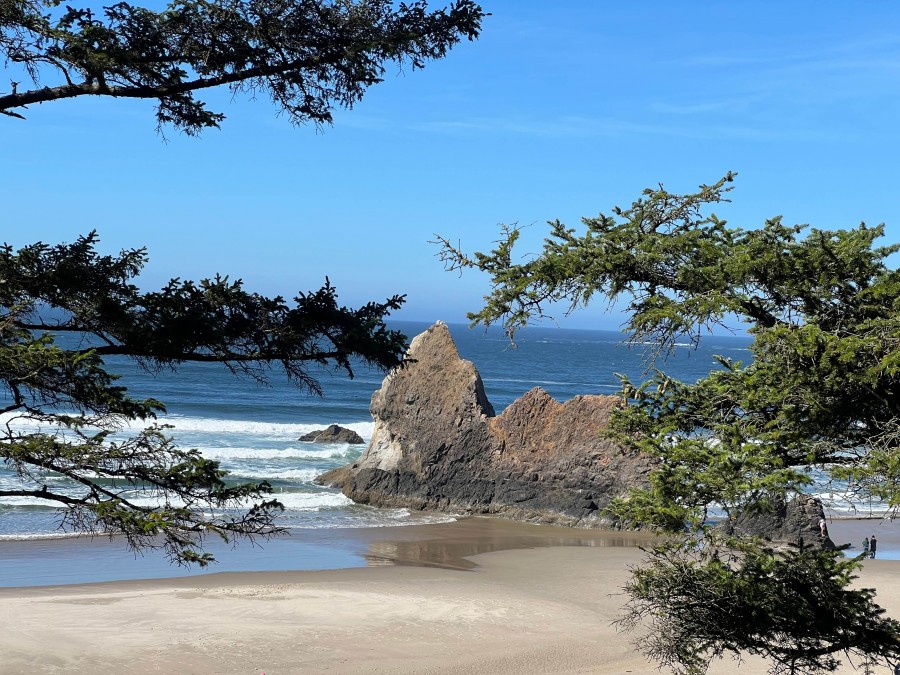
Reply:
x=852, y=531
x=82, y=560
x=254, y=431
x=450, y=545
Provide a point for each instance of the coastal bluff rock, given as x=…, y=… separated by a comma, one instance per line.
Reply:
x=333, y=434
x=792, y=522
x=438, y=445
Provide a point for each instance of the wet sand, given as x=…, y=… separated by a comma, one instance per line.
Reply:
x=477, y=596
x=84, y=560
x=853, y=530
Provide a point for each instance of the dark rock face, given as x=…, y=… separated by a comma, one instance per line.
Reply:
x=437, y=445
x=333, y=434
x=793, y=522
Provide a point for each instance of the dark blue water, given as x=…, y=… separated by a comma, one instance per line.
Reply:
x=564, y=362
x=253, y=431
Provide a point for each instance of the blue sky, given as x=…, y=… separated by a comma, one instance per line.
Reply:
x=560, y=110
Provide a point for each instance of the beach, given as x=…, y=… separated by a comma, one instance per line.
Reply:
x=477, y=596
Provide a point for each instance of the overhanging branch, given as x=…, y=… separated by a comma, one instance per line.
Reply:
x=99, y=87
x=44, y=493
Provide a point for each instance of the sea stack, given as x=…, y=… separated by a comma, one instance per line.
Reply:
x=437, y=445
x=333, y=434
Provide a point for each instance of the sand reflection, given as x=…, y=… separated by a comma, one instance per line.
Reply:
x=452, y=547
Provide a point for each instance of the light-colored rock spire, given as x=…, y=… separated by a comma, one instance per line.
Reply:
x=437, y=445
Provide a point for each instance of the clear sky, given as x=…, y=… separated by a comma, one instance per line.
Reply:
x=561, y=110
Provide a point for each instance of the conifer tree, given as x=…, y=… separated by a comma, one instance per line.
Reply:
x=65, y=309
x=308, y=56
x=820, y=396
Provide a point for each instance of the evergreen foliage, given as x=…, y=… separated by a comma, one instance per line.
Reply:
x=308, y=56
x=64, y=308
x=821, y=395
x=794, y=608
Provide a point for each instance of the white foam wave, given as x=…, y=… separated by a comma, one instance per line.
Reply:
x=375, y=519
x=302, y=475
x=306, y=501
x=205, y=425
x=293, y=501
x=28, y=501
x=273, y=429
x=838, y=503
x=335, y=451
x=32, y=536
x=653, y=343
x=384, y=519
x=535, y=382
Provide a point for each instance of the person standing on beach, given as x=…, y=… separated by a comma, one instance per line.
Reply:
x=823, y=532
x=873, y=544
x=866, y=547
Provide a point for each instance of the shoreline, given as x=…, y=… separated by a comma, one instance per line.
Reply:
x=85, y=560
x=63, y=561
x=853, y=530
x=481, y=595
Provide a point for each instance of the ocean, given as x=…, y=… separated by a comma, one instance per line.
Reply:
x=253, y=430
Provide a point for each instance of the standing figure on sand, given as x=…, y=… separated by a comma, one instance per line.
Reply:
x=866, y=547
x=873, y=545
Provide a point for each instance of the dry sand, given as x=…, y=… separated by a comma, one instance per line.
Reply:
x=527, y=610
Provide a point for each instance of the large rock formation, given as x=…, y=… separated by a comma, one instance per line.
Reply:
x=792, y=522
x=438, y=445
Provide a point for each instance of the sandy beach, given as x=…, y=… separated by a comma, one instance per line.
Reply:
x=477, y=596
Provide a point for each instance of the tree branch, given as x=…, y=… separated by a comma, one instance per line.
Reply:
x=99, y=87
x=44, y=493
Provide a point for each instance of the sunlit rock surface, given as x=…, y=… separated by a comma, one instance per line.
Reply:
x=437, y=445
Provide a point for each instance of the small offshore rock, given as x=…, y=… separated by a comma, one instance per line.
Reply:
x=333, y=434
